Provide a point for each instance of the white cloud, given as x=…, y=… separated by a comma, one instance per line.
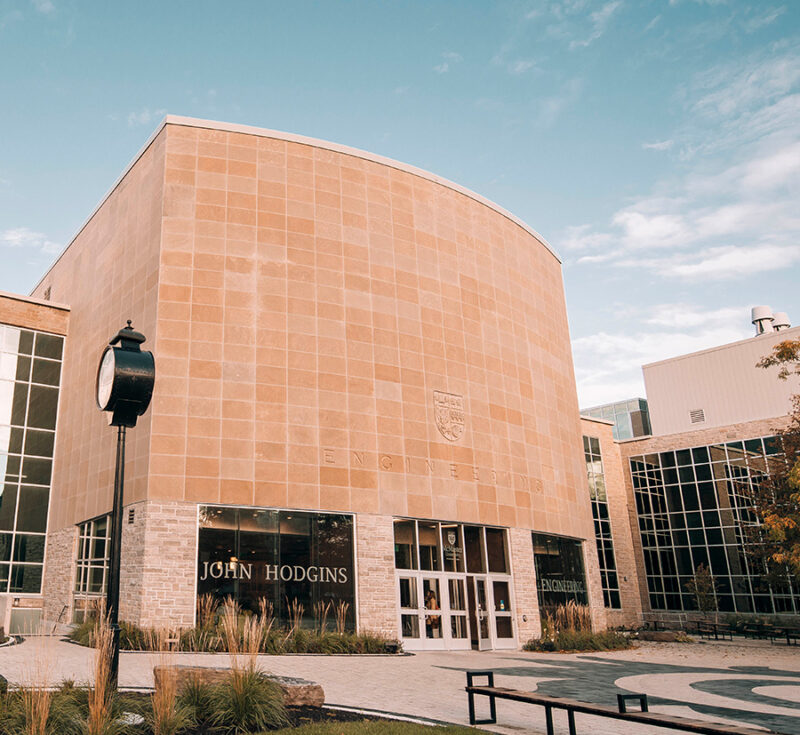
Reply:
x=608, y=363
x=660, y=145
x=45, y=7
x=145, y=116
x=721, y=263
x=734, y=212
x=449, y=57
x=760, y=21
x=599, y=20
x=22, y=237
x=652, y=24
x=520, y=66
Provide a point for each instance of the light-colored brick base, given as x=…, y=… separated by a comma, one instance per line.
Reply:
x=59, y=575
x=377, y=602
x=528, y=622
x=159, y=559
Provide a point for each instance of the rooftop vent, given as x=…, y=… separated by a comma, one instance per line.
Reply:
x=762, y=317
x=780, y=321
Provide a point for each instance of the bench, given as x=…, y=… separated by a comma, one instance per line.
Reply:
x=601, y=710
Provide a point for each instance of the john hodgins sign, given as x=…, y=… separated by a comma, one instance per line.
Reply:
x=272, y=572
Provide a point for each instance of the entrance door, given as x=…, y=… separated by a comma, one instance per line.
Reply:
x=479, y=616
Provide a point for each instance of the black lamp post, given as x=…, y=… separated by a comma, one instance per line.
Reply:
x=125, y=380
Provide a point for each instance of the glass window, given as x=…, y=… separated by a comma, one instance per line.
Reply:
x=496, y=550
x=429, y=546
x=473, y=545
x=408, y=593
x=288, y=558
x=405, y=544
x=452, y=547
x=559, y=570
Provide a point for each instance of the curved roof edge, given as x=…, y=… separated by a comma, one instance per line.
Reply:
x=305, y=140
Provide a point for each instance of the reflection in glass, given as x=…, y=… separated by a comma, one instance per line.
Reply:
x=458, y=626
x=408, y=593
x=496, y=550
x=502, y=600
x=473, y=548
x=428, y=546
x=410, y=626
x=452, y=547
x=456, y=591
x=405, y=545
x=504, y=627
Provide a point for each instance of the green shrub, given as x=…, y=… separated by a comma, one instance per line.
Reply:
x=247, y=702
x=579, y=640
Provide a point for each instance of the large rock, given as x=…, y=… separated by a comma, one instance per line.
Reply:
x=296, y=692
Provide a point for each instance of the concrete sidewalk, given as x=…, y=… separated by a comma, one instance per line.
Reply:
x=744, y=682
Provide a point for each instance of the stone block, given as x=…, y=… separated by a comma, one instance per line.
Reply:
x=296, y=692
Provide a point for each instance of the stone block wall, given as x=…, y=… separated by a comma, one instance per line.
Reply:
x=527, y=603
x=159, y=556
x=59, y=575
x=376, y=594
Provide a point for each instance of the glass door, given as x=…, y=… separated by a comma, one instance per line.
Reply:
x=482, y=615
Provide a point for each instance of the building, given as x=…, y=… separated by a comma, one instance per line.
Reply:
x=364, y=397
x=631, y=418
x=715, y=416
x=31, y=350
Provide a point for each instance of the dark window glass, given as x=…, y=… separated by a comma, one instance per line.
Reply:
x=496, y=550
x=428, y=546
x=5, y=547
x=8, y=507
x=700, y=454
x=685, y=475
x=32, y=515
x=683, y=456
x=43, y=406
x=19, y=404
x=23, y=368
x=753, y=446
x=26, y=578
x=36, y=471
x=473, y=543
x=285, y=557
x=405, y=545
x=46, y=371
x=15, y=441
x=667, y=459
x=39, y=443
x=13, y=465
x=49, y=345
x=703, y=472
x=25, y=342
x=559, y=570
x=452, y=548
x=28, y=548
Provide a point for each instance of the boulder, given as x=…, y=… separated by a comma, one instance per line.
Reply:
x=296, y=692
x=662, y=636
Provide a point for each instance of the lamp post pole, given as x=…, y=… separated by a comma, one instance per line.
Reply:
x=125, y=381
x=112, y=591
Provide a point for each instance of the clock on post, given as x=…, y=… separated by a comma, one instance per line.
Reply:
x=125, y=378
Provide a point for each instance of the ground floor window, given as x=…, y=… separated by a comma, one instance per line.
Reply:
x=453, y=585
x=298, y=562
x=91, y=566
x=560, y=575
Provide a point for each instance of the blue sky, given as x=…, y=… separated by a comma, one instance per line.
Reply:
x=655, y=144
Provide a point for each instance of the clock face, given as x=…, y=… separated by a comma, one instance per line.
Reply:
x=105, y=378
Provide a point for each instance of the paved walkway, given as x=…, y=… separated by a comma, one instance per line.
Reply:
x=746, y=682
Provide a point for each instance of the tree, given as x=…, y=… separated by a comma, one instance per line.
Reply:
x=787, y=355
x=777, y=496
x=704, y=588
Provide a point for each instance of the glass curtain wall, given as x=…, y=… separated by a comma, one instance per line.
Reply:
x=30, y=374
x=560, y=575
x=602, y=522
x=693, y=506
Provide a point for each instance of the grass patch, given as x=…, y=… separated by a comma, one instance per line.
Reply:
x=383, y=727
x=579, y=640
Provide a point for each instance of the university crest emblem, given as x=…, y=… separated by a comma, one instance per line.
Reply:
x=449, y=412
